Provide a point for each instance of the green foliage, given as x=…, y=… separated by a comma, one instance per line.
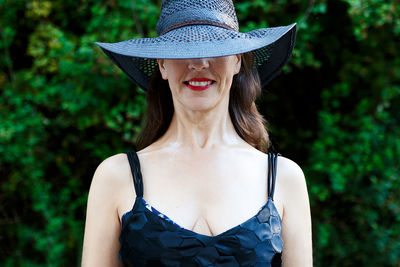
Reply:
x=64, y=107
x=356, y=157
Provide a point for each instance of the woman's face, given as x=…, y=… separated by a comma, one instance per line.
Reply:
x=200, y=84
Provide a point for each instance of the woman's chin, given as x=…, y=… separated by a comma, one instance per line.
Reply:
x=203, y=102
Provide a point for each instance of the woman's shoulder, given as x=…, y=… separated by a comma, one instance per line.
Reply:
x=290, y=177
x=289, y=169
x=113, y=171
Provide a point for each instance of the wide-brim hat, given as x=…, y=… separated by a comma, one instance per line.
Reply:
x=201, y=29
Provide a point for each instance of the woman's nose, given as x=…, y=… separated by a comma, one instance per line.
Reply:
x=198, y=63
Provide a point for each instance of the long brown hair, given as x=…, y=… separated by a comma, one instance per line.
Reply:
x=248, y=122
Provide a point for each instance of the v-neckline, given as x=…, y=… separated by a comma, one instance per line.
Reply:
x=174, y=224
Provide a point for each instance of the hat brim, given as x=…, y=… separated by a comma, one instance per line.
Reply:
x=271, y=47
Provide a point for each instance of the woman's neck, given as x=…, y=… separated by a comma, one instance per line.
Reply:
x=199, y=130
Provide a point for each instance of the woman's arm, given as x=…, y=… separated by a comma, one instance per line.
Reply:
x=102, y=229
x=296, y=221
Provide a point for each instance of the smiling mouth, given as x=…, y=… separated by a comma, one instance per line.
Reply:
x=199, y=84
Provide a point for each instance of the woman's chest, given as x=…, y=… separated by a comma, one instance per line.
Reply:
x=206, y=196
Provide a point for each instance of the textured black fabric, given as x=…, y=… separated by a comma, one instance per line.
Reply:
x=149, y=240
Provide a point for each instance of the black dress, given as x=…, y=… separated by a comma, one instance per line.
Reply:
x=149, y=238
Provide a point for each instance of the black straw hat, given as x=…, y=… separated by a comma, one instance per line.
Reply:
x=199, y=29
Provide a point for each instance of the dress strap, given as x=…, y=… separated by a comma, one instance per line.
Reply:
x=272, y=163
x=136, y=172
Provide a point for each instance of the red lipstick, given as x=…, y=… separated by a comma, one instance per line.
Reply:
x=199, y=84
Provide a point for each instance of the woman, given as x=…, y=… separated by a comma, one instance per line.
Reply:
x=202, y=189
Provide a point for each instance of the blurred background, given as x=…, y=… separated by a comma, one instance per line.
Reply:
x=334, y=109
